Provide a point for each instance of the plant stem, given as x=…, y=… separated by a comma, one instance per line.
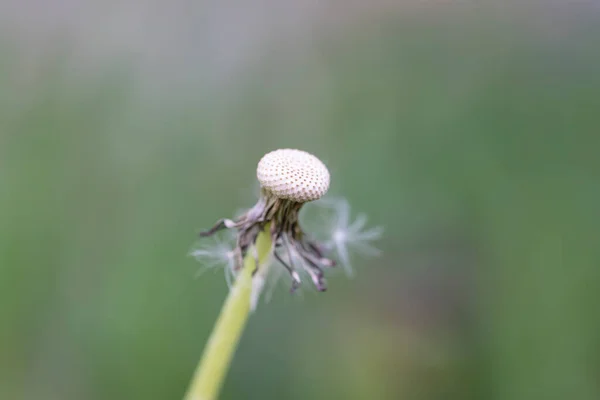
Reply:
x=221, y=345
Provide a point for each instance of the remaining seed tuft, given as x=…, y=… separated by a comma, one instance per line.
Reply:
x=293, y=175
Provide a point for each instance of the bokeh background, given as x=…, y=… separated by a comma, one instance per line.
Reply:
x=469, y=130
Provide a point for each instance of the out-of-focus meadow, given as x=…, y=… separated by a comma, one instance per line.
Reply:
x=470, y=132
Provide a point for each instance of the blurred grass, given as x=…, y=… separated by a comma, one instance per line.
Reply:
x=473, y=142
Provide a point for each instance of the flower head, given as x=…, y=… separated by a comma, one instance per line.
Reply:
x=293, y=175
x=289, y=178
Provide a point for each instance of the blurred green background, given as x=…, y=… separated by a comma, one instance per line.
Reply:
x=469, y=132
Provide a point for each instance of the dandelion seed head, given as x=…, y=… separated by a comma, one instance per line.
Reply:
x=289, y=178
x=293, y=175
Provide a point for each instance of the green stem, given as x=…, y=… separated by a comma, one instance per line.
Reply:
x=213, y=366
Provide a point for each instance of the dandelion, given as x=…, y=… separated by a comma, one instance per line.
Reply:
x=270, y=230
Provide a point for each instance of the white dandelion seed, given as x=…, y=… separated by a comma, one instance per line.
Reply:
x=347, y=236
x=220, y=252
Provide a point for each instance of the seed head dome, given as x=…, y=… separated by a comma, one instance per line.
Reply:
x=293, y=175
